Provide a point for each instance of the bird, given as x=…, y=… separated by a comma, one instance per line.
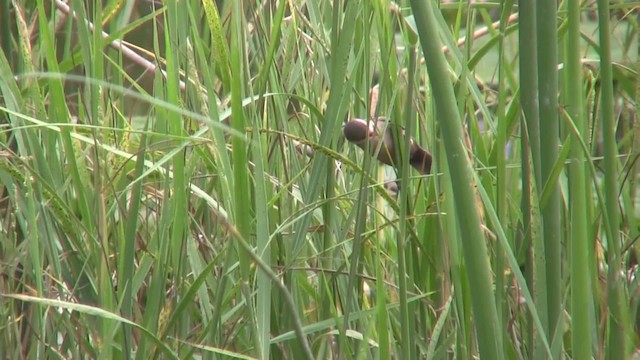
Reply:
x=357, y=131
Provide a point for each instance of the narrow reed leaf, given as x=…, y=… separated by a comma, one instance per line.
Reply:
x=93, y=311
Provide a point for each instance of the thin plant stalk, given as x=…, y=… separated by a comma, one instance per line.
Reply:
x=581, y=294
x=616, y=323
x=472, y=238
x=531, y=175
x=546, y=22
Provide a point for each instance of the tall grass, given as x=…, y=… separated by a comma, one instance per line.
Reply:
x=175, y=183
x=581, y=286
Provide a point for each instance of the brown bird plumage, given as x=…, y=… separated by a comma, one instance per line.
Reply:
x=357, y=131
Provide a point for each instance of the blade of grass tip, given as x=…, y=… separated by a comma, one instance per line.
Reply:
x=220, y=51
x=556, y=170
x=438, y=328
x=616, y=343
x=473, y=242
x=274, y=42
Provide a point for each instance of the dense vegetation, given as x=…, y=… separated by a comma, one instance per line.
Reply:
x=175, y=183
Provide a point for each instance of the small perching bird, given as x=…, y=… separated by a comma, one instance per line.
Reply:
x=358, y=131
